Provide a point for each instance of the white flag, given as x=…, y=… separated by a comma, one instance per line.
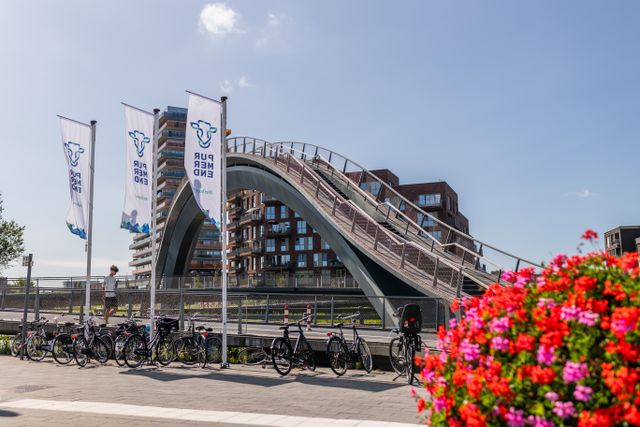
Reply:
x=203, y=153
x=136, y=215
x=76, y=143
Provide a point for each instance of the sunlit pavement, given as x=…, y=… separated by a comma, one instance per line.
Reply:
x=44, y=393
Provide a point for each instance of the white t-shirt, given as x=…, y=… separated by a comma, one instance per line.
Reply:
x=109, y=286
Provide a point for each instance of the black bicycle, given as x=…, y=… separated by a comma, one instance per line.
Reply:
x=88, y=345
x=62, y=343
x=341, y=355
x=36, y=345
x=402, y=349
x=191, y=349
x=284, y=356
x=139, y=348
x=124, y=331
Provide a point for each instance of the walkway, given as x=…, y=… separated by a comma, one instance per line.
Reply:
x=47, y=394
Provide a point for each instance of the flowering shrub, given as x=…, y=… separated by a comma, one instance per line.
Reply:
x=559, y=348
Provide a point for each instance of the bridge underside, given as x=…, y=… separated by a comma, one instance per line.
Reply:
x=185, y=219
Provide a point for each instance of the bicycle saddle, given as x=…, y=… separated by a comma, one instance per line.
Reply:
x=69, y=323
x=200, y=328
x=339, y=325
x=209, y=329
x=284, y=328
x=102, y=325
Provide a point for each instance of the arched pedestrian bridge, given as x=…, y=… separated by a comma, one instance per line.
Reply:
x=386, y=251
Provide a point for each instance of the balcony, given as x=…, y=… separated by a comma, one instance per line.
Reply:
x=238, y=269
x=278, y=265
x=257, y=250
x=278, y=230
x=253, y=216
x=171, y=153
x=234, y=224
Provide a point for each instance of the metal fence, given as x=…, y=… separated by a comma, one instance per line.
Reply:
x=243, y=308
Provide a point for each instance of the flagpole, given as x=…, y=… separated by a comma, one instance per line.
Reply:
x=223, y=220
x=87, y=297
x=154, y=205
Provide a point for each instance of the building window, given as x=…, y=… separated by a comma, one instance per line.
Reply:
x=372, y=187
x=283, y=212
x=270, y=212
x=428, y=200
x=271, y=245
x=424, y=220
x=324, y=244
x=296, y=215
x=437, y=235
x=302, y=227
x=284, y=245
x=299, y=244
x=320, y=260
x=302, y=260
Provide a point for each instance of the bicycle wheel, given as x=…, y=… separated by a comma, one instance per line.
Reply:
x=100, y=350
x=62, y=348
x=338, y=358
x=396, y=355
x=365, y=355
x=34, y=348
x=281, y=356
x=214, y=349
x=409, y=365
x=16, y=340
x=135, y=349
x=108, y=340
x=252, y=356
x=307, y=355
x=80, y=349
x=118, y=349
x=164, y=351
x=184, y=350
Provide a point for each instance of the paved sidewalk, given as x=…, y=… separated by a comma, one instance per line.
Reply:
x=189, y=396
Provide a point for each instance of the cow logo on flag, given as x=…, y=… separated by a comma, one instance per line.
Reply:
x=139, y=140
x=136, y=215
x=76, y=136
x=73, y=151
x=204, y=128
x=202, y=154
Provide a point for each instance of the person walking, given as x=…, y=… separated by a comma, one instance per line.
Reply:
x=109, y=294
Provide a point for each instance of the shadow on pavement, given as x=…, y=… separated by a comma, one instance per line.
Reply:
x=8, y=414
x=311, y=378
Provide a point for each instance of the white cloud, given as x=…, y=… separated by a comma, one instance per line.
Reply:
x=273, y=20
x=244, y=82
x=226, y=86
x=583, y=194
x=271, y=32
x=219, y=19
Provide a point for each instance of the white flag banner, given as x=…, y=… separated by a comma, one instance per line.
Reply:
x=136, y=215
x=76, y=143
x=203, y=153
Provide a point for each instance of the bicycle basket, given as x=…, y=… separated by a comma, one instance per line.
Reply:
x=167, y=325
x=411, y=319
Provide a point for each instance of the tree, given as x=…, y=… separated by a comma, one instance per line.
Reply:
x=11, y=240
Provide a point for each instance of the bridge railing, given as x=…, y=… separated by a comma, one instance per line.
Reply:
x=391, y=204
x=446, y=276
x=244, y=309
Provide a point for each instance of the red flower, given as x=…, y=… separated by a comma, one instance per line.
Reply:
x=421, y=405
x=589, y=235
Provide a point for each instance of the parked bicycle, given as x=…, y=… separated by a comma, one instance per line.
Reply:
x=139, y=348
x=191, y=348
x=62, y=343
x=402, y=349
x=341, y=355
x=124, y=331
x=252, y=356
x=36, y=344
x=16, y=343
x=284, y=356
x=88, y=345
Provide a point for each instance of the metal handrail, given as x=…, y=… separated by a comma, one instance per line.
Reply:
x=289, y=145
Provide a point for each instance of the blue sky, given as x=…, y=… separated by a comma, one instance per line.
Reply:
x=528, y=109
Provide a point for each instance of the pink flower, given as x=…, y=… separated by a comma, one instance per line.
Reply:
x=509, y=276
x=470, y=351
x=552, y=396
x=500, y=343
x=413, y=392
x=564, y=409
x=439, y=403
x=546, y=355
x=621, y=326
x=558, y=260
x=546, y=302
x=474, y=320
x=428, y=375
x=587, y=318
x=574, y=372
x=515, y=417
x=583, y=393
x=539, y=421
x=569, y=313
x=499, y=325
